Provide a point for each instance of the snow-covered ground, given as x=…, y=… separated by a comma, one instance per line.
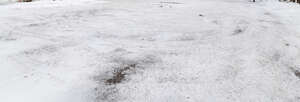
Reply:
x=149, y=51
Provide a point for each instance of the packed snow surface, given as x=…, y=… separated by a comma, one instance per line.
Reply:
x=149, y=51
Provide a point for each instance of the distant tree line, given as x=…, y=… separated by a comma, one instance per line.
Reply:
x=297, y=1
x=25, y=0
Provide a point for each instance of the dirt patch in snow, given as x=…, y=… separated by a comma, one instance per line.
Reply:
x=238, y=31
x=120, y=74
x=124, y=65
x=297, y=73
x=241, y=28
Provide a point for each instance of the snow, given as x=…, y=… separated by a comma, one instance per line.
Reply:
x=162, y=51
